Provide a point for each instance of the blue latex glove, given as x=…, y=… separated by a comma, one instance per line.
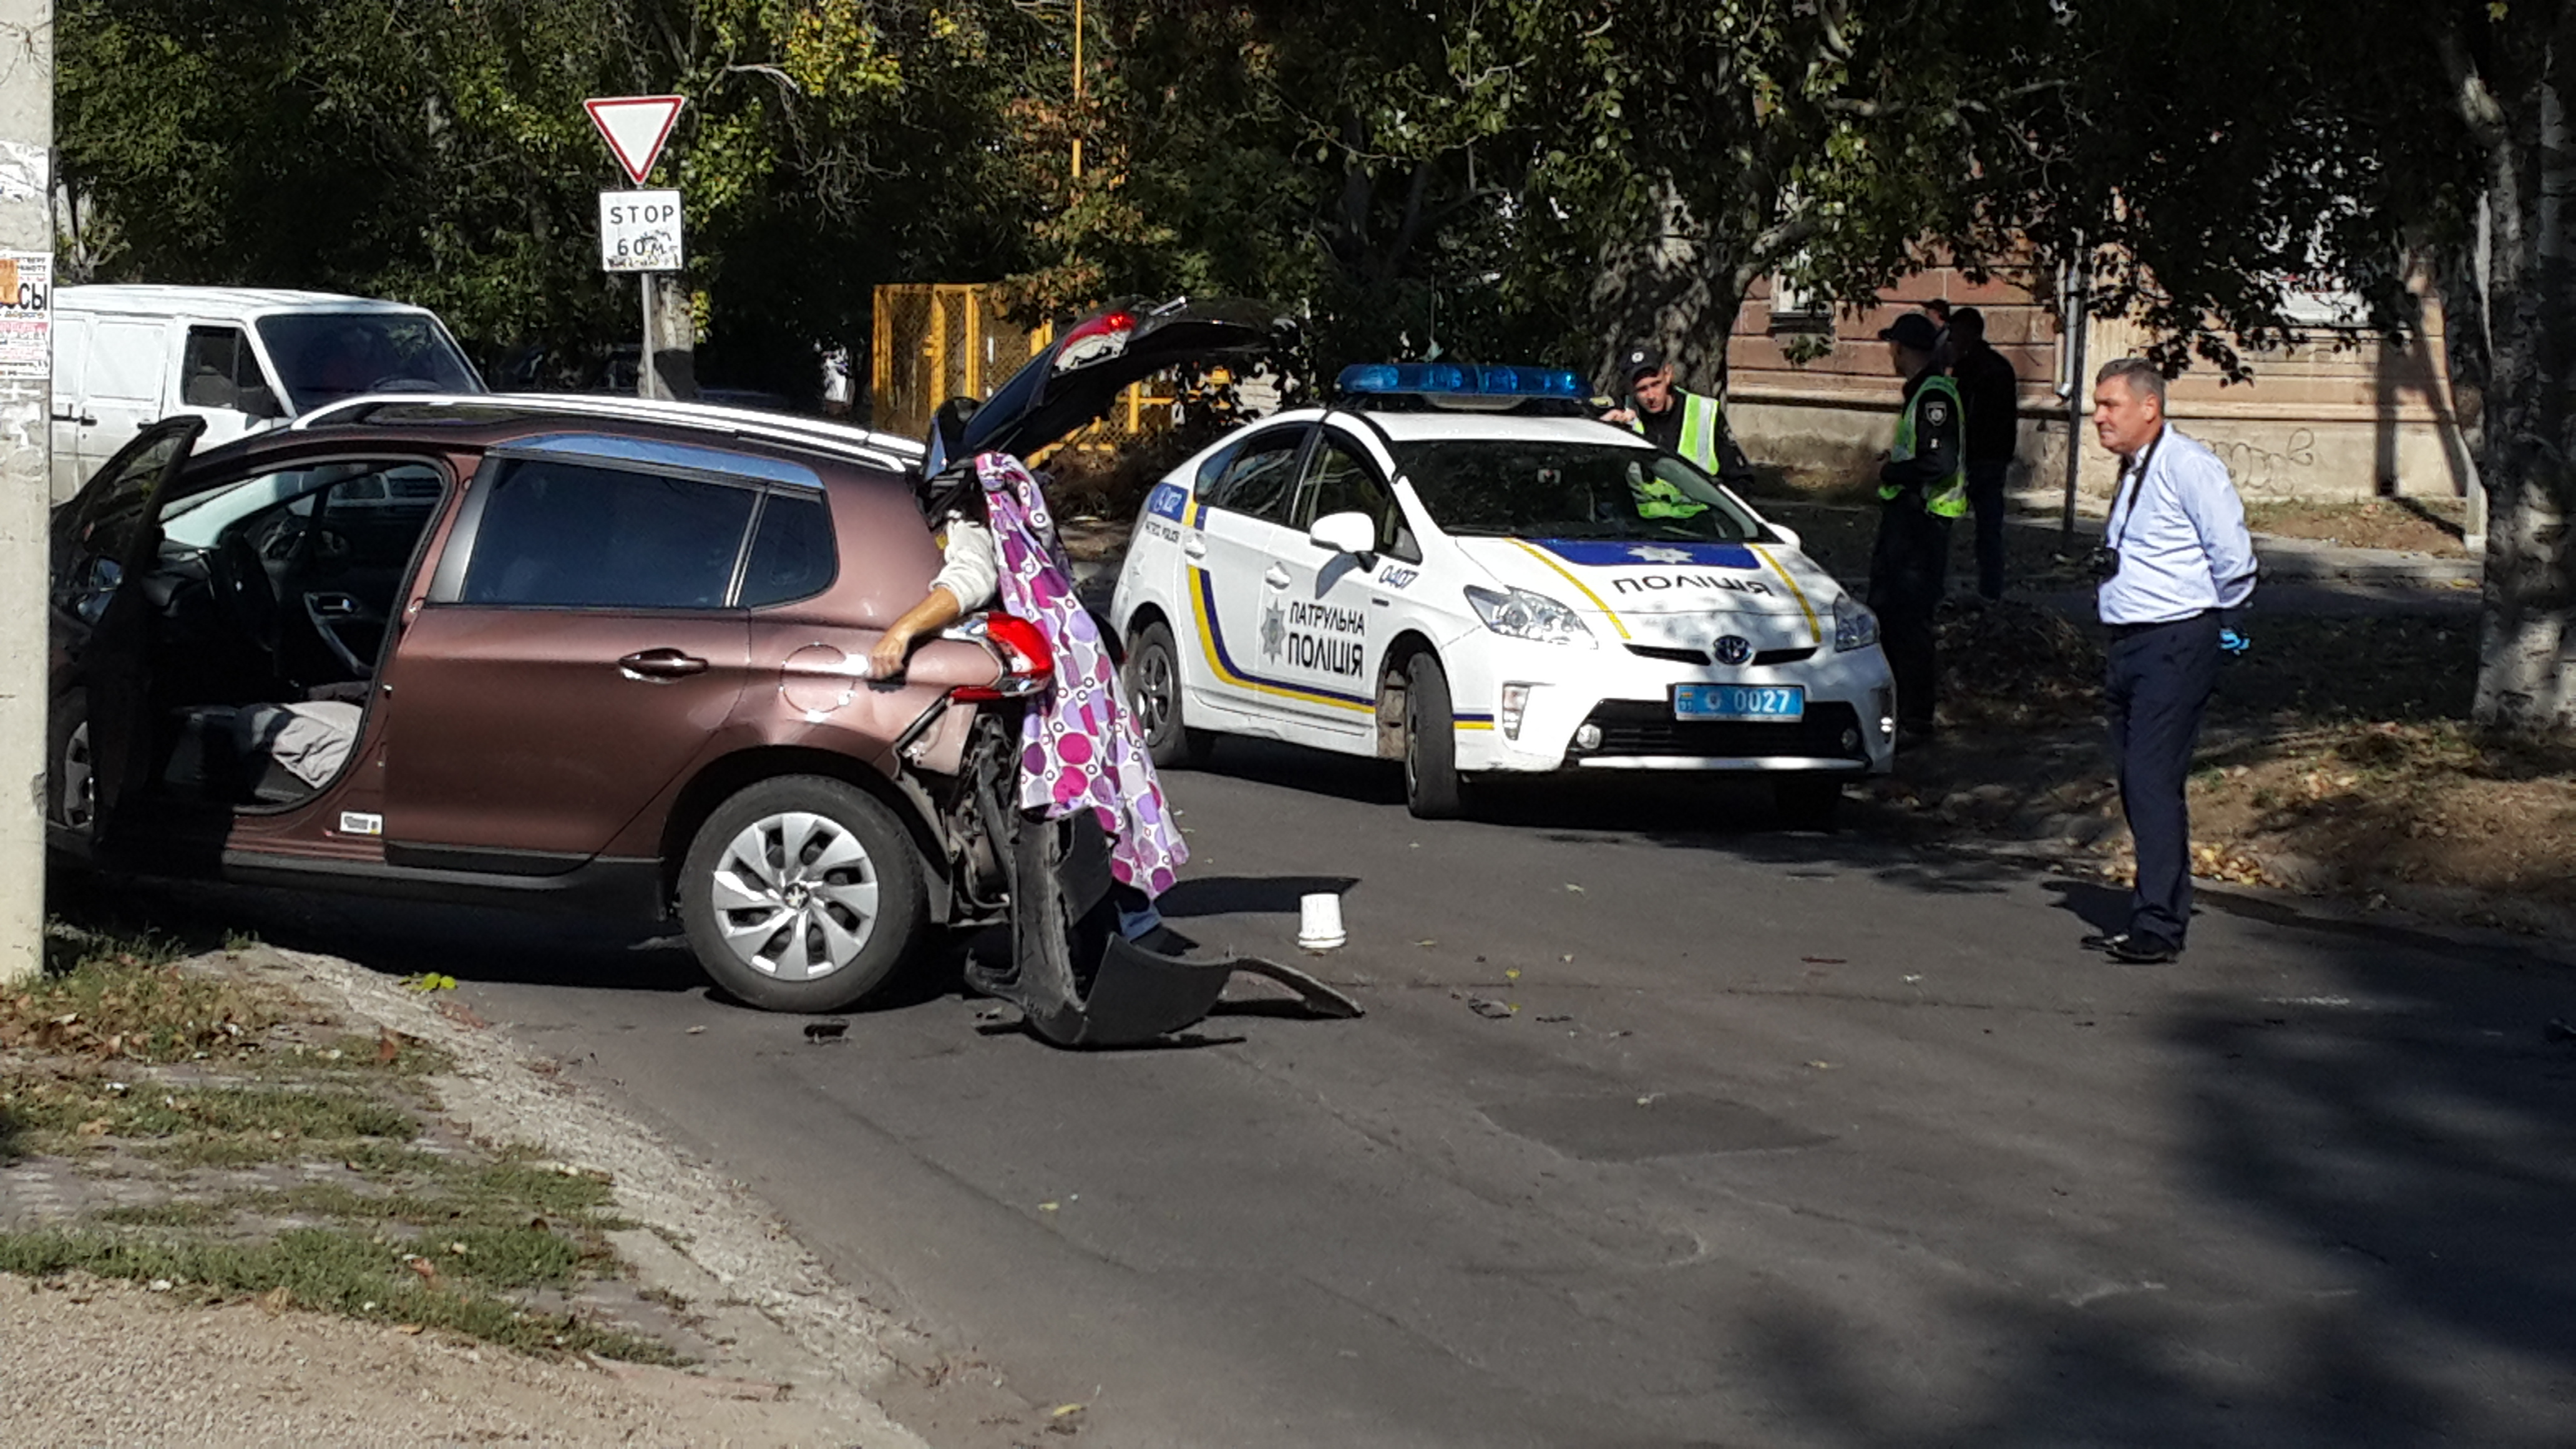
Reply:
x=2231, y=642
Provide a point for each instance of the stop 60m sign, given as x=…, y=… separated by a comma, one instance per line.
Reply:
x=639, y=231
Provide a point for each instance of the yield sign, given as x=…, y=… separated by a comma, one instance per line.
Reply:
x=635, y=128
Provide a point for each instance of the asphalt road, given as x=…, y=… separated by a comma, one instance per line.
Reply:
x=1782, y=1140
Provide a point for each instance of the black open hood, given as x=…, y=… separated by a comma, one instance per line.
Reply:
x=1078, y=376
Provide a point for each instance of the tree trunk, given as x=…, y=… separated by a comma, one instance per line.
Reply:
x=1663, y=287
x=2527, y=645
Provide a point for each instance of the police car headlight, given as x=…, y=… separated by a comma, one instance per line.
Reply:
x=1524, y=615
x=1855, y=627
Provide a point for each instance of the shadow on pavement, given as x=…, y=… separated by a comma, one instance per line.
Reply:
x=2401, y=1146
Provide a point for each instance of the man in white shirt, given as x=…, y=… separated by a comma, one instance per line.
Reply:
x=2176, y=558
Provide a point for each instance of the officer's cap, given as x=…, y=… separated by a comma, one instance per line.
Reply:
x=1912, y=330
x=1642, y=359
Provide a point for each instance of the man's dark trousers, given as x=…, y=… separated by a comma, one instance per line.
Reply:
x=1907, y=572
x=1986, y=496
x=2158, y=688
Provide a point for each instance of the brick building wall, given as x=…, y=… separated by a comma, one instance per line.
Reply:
x=2335, y=417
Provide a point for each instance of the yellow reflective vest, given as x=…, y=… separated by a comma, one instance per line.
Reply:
x=1947, y=498
x=1702, y=422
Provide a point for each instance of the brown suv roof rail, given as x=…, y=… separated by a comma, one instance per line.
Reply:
x=858, y=445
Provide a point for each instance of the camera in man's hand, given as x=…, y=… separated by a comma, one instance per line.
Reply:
x=2104, y=562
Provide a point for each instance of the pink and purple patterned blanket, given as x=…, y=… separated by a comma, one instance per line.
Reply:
x=1079, y=745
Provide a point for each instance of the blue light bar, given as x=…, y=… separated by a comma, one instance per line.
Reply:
x=1450, y=379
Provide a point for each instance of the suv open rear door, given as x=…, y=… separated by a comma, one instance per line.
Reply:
x=1076, y=378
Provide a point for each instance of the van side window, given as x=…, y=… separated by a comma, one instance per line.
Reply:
x=126, y=360
x=568, y=536
x=219, y=370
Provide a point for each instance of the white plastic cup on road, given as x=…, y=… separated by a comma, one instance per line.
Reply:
x=1319, y=922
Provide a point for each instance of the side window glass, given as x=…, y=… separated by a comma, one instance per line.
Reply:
x=1341, y=481
x=219, y=370
x=1261, y=481
x=793, y=555
x=109, y=516
x=560, y=535
x=1214, y=468
x=126, y=361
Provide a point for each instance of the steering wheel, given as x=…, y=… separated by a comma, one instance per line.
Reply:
x=240, y=582
x=402, y=382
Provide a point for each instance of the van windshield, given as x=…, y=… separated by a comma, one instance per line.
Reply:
x=323, y=357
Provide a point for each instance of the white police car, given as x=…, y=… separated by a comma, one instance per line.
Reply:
x=1456, y=567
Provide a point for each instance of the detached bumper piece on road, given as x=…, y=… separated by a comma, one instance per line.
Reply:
x=1085, y=984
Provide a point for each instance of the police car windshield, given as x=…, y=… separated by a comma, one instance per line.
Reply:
x=1523, y=488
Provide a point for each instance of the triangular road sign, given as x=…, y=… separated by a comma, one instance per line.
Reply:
x=635, y=128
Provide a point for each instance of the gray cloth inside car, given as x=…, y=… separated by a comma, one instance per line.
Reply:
x=310, y=741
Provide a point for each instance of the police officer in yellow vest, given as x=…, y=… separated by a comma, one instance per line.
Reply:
x=1676, y=421
x=1922, y=486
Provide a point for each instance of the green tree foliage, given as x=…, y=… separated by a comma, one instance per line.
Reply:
x=436, y=150
x=1511, y=177
x=2206, y=162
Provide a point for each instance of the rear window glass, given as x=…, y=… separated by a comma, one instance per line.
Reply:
x=322, y=357
x=564, y=536
x=792, y=552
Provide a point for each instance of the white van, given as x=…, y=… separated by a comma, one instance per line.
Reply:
x=242, y=358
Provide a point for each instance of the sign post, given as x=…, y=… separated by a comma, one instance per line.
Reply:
x=640, y=231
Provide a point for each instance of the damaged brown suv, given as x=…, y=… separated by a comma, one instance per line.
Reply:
x=518, y=650
x=576, y=650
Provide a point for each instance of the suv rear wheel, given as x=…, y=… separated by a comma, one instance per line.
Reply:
x=801, y=893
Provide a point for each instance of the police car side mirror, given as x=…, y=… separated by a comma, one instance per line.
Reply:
x=1344, y=533
x=1787, y=534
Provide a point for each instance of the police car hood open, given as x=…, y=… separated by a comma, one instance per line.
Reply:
x=1634, y=578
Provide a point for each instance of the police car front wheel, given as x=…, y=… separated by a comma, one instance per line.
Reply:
x=1154, y=684
x=1433, y=789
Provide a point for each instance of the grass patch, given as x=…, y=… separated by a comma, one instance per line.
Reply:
x=351, y=1273
x=121, y=1052
x=70, y=1109
x=129, y=999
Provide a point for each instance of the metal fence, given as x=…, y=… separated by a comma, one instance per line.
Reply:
x=938, y=340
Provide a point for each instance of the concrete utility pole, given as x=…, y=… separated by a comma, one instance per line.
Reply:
x=26, y=468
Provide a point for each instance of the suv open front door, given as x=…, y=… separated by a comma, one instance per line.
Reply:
x=104, y=545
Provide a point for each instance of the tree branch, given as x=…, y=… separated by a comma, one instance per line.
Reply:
x=2478, y=106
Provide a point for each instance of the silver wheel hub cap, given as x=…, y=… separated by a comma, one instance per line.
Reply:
x=1153, y=691
x=795, y=896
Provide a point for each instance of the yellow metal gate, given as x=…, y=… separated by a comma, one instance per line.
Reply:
x=938, y=340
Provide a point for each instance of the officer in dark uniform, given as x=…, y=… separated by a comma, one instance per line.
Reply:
x=1922, y=486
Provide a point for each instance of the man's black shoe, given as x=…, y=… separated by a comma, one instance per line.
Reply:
x=2105, y=941
x=2136, y=948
